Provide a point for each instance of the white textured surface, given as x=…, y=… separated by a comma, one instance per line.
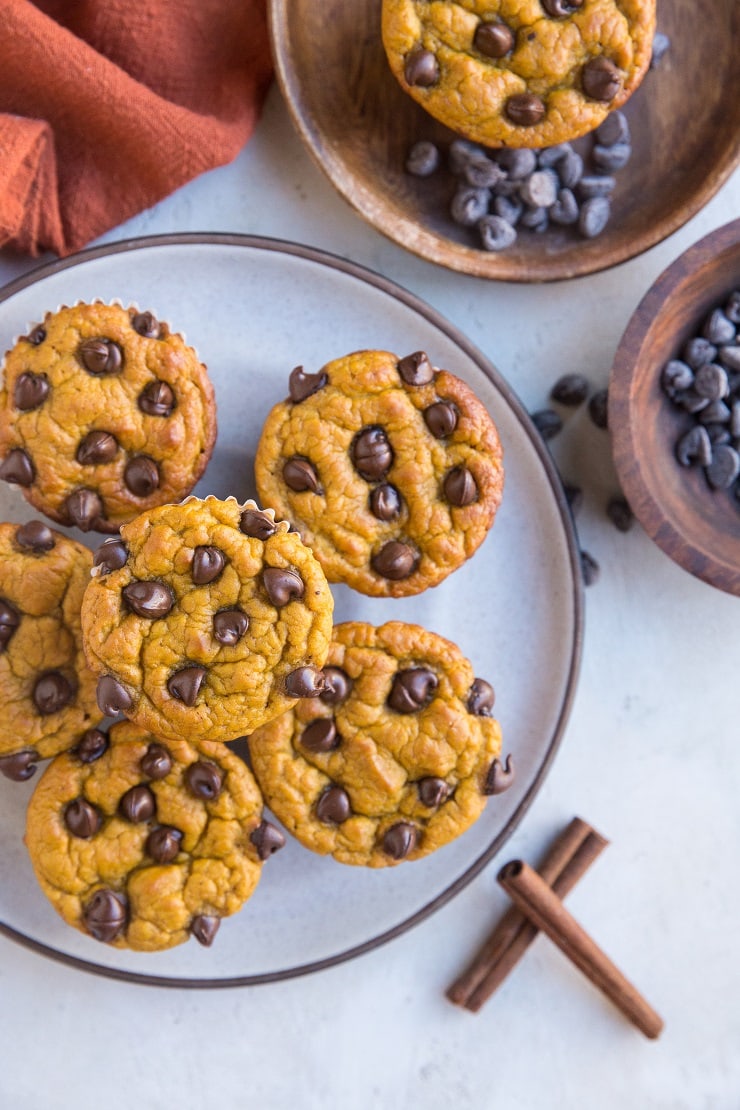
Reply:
x=651, y=758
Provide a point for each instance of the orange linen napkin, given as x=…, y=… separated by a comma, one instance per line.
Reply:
x=106, y=106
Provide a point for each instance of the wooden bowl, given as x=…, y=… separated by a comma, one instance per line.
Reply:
x=697, y=526
x=359, y=125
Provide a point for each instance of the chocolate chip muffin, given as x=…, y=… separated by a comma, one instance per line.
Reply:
x=390, y=469
x=395, y=758
x=47, y=692
x=104, y=412
x=519, y=73
x=142, y=842
x=205, y=619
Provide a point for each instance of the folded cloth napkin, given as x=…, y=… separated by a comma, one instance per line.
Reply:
x=106, y=106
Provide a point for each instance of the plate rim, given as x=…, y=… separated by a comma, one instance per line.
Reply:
x=433, y=316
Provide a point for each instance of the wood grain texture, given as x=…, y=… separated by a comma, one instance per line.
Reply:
x=358, y=124
x=697, y=527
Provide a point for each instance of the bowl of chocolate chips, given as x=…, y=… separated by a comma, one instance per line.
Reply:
x=674, y=410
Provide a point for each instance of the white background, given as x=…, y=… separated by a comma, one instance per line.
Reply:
x=651, y=757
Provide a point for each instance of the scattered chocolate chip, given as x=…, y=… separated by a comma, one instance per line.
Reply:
x=204, y=780
x=525, y=109
x=146, y=325
x=422, y=159
x=20, y=766
x=267, y=839
x=208, y=562
x=152, y=600
x=601, y=79
x=460, y=488
x=229, y=626
x=540, y=189
x=570, y=390
x=469, y=205
x=9, y=621
x=52, y=692
x=614, y=129
x=620, y=514
x=598, y=408
x=97, y=447
x=157, y=399
x=101, y=356
x=30, y=391
x=104, y=916
x=481, y=698
x=718, y=329
x=302, y=385
x=256, y=524
x=400, y=840
x=609, y=159
x=594, y=216
x=432, y=791
x=17, y=468
x=333, y=806
x=156, y=762
x=204, y=928
x=138, y=805
x=590, y=569
x=82, y=819
x=111, y=555
x=509, y=209
x=305, y=682
x=112, y=697
x=441, y=418
x=395, y=560
x=282, y=585
x=596, y=185
x=711, y=381
x=337, y=686
x=421, y=68
x=321, y=735
x=547, y=422
x=412, y=689
x=184, y=685
x=724, y=467
x=141, y=476
x=163, y=844
x=661, y=45
x=92, y=745
x=416, y=369
x=37, y=335
x=560, y=8
x=84, y=508
x=300, y=475
x=385, y=502
x=499, y=777
x=495, y=40
x=35, y=536
x=371, y=453
x=496, y=233
x=675, y=377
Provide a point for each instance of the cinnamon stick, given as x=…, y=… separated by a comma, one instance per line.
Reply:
x=542, y=906
x=569, y=858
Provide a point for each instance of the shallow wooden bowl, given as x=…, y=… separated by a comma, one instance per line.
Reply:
x=697, y=526
x=359, y=124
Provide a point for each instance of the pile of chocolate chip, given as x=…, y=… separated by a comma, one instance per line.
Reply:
x=705, y=384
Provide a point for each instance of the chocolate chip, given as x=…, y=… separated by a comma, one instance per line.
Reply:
x=509, y=209
x=495, y=40
x=661, y=45
x=97, y=447
x=302, y=385
x=320, y=735
x=594, y=216
x=570, y=170
x=111, y=555
x=112, y=697
x=518, y=162
x=152, y=600
x=614, y=129
x=101, y=356
x=469, y=205
x=724, y=467
x=157, y=399
x=35, y=536
x=20, y=766
x=282, y=585
x=371, y=453
x=718, y=329
x=525, y=109
x=300, y=475
x=156, y=762
x=9, y=621
x=337, y=686
x=52, y=692
x=385, y=502
x=163, y=844
x=395, y=560
x=92, y=745
x=105, y=915
x=499, y=778
x=694, y=447
x=601, y=79
x=267, y=839
x=481, y=698
x=204, y=928
x=590, y=569
x=460, y=487
x=598, y=408
x=675, y=377
x=304, y=682
x=82, y=819
x=17, y=468
x=596, y=185
x=441, y=418
x=432, y=791
x=608, y=159
x=421, y=68
x=146, y=324
x=184, y=685
x=229, y=626
x=333, y=806
x=560, y=8
x=141, y=476
x=84, y=508
x=574, y=497
x=570, y=390
x=540, y=189
x=422, y=159
x=412, y=690
x=257, y=525
x=416, y=369
x=30, y=391
x=400, y=840
x=37, y=335
x=547, y=422
x=138, y=805
x=208, y=562
x=482, y=172
x=496, y=233
x=699, y=351
x=711, y=381
x=204, y=780
x=620, y=514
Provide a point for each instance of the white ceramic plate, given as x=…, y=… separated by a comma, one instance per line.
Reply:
x=255, y=308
